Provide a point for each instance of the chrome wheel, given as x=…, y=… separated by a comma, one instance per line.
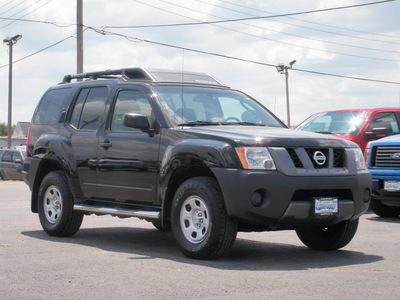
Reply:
x=194, y=219
x=52, y=204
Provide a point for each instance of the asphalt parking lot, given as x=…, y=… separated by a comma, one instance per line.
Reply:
x=111, y=258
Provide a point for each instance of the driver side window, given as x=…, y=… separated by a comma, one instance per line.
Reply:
x=129, y=101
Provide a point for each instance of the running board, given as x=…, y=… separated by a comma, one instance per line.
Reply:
x=118, y=211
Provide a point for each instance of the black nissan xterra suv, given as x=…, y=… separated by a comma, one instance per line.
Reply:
x=188, y=154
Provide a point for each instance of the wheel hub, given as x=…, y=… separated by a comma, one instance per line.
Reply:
x=52, y=204
x=194, y=219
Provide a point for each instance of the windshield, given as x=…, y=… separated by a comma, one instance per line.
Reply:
x=335, y=122
x=201, y=106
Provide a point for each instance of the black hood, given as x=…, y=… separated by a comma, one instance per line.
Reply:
x=269, y=136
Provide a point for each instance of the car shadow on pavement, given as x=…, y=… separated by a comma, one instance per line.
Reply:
x=376, y=218
x=143, y=243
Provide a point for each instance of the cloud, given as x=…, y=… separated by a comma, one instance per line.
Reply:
x=264, y=41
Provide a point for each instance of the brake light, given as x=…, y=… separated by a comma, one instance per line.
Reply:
x=27, y=141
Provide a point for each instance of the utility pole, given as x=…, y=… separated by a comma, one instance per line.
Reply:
x=79, y=36
x=284, y=70
x=10, y=42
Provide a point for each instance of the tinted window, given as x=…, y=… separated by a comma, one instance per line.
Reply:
x=7, y=156
x=385, y=120
x=222, y=106
x=129, y=102
x=16, y=156
x=76, y=113
x=51, y=107
x=89, y=108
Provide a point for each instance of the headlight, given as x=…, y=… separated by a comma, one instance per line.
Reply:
x=255, y=158
x=360, y=162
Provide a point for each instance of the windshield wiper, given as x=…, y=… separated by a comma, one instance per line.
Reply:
x=324, y=132
x=199, y=123
x=243, y=123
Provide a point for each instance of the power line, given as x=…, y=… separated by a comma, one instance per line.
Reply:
x=253, y=35
x=38, y=21
x=41, y=50
x=138, y=40
x=320, y=24
x=281, y=32
x=7, y=3
x=306, y=27
x=256, y=18
x=13, y=7
x=27, y=13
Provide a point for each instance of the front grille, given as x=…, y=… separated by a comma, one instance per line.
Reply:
x=313, y=153
x=317, y=158
x=295, y=158
x=387, y=157
x=338, y=158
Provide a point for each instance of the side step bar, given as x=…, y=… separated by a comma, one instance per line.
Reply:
x=118, y=211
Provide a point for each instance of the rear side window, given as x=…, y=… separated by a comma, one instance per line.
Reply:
x=7, y=156
x=89, y=108
x=51, y=107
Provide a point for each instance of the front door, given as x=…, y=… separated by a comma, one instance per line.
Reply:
x=127, y=157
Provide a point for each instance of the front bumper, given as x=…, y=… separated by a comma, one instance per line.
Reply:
x=287, y=201
x=386, y=197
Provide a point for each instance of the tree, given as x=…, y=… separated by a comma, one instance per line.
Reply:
x=3, y=129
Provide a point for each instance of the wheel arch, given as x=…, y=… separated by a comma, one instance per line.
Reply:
x=45, y=166
x=52, y=152
x=187, y=159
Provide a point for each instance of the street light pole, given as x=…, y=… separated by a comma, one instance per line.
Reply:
x=284, y=70
x=10, y=42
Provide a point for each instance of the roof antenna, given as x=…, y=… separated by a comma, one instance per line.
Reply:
x=182, y=74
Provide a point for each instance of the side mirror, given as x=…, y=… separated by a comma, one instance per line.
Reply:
x=18, y=161
x=375, y=133
x=138, y=121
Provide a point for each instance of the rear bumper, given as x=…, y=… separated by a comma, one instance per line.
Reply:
x=288, y=201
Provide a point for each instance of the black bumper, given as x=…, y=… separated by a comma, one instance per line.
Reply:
x=287, y=201
x=386, y=197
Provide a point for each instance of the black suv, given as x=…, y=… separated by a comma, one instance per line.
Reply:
x=11, y=160
x=187, y=153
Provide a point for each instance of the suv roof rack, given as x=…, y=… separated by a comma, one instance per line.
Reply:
x=149, y=75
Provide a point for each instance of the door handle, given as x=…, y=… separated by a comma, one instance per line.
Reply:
x=106, y=144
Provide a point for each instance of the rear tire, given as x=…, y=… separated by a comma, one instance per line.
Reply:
x=383, y=210
x=56, y=206
x=329, y=238
x=199, y=221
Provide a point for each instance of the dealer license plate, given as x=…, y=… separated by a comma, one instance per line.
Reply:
x=326, y=206
x=391, y=186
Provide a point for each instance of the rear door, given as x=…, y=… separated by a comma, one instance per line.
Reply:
x=128, y=157
x=85, y=121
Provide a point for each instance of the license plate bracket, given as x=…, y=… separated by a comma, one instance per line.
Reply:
x=391, y=186
x=326, y=206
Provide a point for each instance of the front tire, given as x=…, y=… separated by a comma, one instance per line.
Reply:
x=329, y=238
x=199, y=221
x=56, y=206
x=383, y=210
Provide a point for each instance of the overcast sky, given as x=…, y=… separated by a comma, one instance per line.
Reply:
x=361, y=42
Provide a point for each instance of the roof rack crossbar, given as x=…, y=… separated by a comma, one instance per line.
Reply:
x=140, y=73
x=150, y=75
